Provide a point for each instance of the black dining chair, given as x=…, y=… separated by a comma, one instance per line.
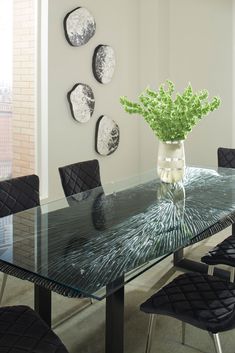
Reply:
x=224, y=252
x=23, y=331
x=16, y=195
x=226, y=157
x=80, y=177
x=201, y=300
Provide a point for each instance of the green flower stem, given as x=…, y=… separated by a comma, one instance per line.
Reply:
x=171, y=119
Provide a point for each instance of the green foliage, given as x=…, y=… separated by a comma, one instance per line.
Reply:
x=171, y=119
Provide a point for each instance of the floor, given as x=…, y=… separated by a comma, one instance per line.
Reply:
x=84, y=332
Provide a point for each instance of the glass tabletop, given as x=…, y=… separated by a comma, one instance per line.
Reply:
x=89, y=241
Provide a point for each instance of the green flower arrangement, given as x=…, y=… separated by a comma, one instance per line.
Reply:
x=171, y=119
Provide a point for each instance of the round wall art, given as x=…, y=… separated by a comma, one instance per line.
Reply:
x=82, y=102
x=103, y=63
x=107, y=136
x=79, y=26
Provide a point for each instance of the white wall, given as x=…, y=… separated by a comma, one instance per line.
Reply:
x=201, y=52
x=191, y=41
x=69, y=141
x=154, y=66
x=183, y=40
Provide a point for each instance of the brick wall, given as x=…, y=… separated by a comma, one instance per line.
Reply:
x=5, y=144
x=5, y=140
x=23, y=122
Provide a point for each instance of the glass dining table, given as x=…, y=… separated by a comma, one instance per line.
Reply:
x=91, y=244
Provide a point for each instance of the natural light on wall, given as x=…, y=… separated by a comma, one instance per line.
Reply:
x=17, y=87
x=6, y=40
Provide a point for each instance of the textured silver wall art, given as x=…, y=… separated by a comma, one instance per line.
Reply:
x=79, y=26
x=107, y=136
x=82, y=102
x=103, y=63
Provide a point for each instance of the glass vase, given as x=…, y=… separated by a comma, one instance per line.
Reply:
x=171, y=161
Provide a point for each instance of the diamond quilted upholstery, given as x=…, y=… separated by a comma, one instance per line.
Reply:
x=223, y=253
x=22, y=331
x=226, y=157
x=201, y=300
x=19, y=194
x=80, y=177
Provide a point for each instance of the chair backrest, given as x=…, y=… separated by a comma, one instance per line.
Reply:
x=19, y=194
x=79, y=177
x=226, y=157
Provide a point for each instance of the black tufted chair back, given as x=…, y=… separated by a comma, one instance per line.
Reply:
x=226, y=157
x=79, y=177
x=19, y=194
x=23, y=331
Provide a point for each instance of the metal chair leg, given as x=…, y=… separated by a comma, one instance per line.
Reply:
x=232, y=272
x=150, y=333
x=210, y=270
x=216, y=341
x=4, y=281
x=183, y=332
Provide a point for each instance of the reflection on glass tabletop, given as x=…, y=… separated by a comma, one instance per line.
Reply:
x=116, y=231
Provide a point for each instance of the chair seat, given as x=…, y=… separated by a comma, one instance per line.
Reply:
x=223, y=253
x=23, y=331
x=201, y=300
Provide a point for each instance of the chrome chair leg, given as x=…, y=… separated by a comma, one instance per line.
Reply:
x=216, y=341
x=4, y=281
x=183, y=332
x=210, y=270
x=232, y=272
x=150, y=333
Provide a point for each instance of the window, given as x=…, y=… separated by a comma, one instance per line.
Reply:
x=17, y=87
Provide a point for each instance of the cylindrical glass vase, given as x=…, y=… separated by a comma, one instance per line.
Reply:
x=171, y=161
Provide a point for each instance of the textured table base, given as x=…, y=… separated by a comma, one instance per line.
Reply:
x=194, y=266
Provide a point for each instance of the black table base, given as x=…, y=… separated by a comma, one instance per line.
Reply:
x=194, y=266
x=114, y=336
x=42, y=303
